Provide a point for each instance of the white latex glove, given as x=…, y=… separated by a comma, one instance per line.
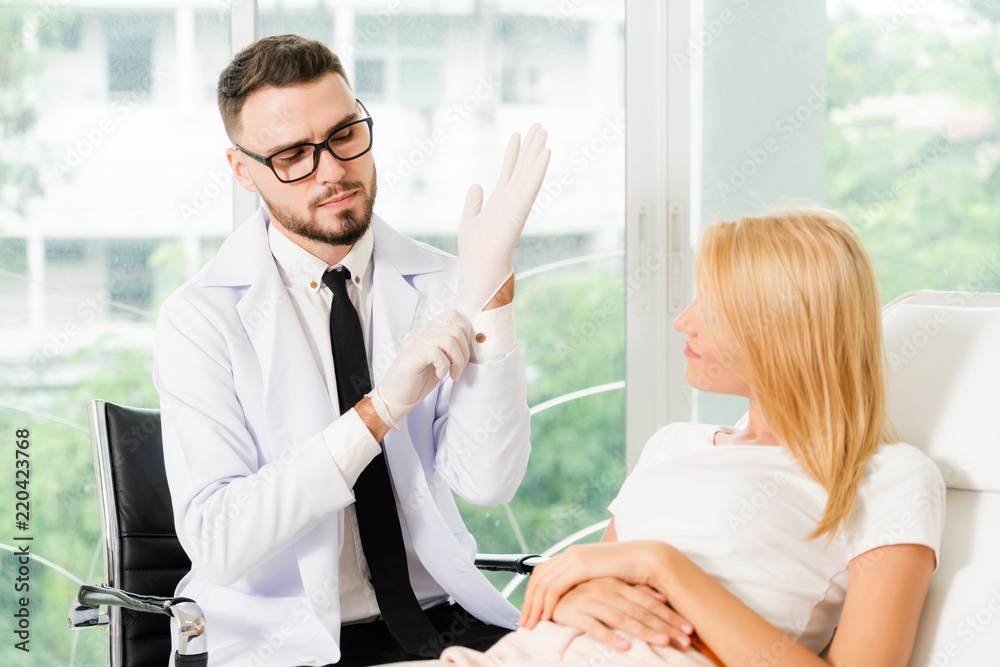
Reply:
x=487, y=236
x=429, y=354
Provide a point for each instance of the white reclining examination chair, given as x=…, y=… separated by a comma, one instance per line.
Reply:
x=944, y=397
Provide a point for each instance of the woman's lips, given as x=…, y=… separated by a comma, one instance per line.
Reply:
x=691, y=353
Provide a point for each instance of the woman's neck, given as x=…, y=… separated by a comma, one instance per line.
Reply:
x=756, y=432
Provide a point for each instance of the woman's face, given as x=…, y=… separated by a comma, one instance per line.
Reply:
x=707, y=368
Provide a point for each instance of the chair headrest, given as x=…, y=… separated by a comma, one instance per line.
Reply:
x=944, y=381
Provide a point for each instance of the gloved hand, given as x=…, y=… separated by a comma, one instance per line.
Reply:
x=428, y=355
x=487, y=236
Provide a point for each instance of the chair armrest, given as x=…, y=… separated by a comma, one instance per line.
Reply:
x=193, y=642
x=94, y=596
x=519, y=563
x=82, y=616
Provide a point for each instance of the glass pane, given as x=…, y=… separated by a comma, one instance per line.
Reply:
x=446, y=91
x=307, y=21
x=913, y=157
x=112, y=193
x=882, y=110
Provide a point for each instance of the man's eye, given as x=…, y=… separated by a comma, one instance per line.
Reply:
x=293, y=155
x=343, y=134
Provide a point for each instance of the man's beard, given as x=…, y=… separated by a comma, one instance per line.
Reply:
x=353, y=225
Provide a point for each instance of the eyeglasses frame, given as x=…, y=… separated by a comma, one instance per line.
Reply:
x=317, y=148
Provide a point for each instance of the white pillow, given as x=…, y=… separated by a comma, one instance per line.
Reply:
x=944, y=381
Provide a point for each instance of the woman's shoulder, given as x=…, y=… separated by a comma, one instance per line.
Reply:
x=682, y=433
x=901, y=499
x=677, y=440
x=900, y=475
x=894, y=462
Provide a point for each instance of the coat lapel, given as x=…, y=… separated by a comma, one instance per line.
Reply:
x=296, y=403
x=432, y=539
x=397, y=305
x=394, y=302
x=394, y=299
x=295, y=399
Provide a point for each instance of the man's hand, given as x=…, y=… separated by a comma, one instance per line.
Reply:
x=487, y=235
x=601, y=606
x=429, y=354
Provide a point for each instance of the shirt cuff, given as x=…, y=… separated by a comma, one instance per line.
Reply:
x=494, y=335
x=351, y=445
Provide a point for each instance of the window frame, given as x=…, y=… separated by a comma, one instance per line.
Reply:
x=660, y=112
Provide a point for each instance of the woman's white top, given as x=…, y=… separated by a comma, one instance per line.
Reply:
x=743, y=512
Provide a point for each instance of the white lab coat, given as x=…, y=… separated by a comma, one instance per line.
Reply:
x=255, y=492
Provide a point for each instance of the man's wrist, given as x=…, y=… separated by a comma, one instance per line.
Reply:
x=494, y=335
x=366, y=411
x=351, y=444
x=503, y=296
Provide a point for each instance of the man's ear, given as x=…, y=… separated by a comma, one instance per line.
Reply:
x=237, y=161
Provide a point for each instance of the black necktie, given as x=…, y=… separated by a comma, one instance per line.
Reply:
x=378, y=523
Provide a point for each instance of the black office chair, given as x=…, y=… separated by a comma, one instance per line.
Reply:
x=142, y=555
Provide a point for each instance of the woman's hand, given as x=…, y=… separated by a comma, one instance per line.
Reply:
x=601, y=606
x=632, y=562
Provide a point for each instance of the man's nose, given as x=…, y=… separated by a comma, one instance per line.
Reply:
x=329, y=169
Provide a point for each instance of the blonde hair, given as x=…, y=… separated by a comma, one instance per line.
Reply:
x=795, y=292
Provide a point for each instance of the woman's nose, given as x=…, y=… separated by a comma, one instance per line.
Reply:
x=683, y=321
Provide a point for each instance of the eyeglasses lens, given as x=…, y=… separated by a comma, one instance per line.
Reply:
x=299, y=161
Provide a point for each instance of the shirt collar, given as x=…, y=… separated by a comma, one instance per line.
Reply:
x=299, y=268
x=359, y=258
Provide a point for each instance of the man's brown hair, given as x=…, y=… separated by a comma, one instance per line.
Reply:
x=278, y=61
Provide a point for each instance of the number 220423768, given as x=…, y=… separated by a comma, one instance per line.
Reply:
x=22, y=519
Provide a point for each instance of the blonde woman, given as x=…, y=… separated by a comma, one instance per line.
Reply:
x=743, y=541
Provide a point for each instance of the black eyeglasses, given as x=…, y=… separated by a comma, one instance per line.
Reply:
x=347, y=142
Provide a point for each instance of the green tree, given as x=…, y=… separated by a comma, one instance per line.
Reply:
x=923, y=194
x=572, y=334
x=20, y=67
x=63, y=498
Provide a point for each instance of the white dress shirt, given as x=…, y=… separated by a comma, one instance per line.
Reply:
x=351, y=444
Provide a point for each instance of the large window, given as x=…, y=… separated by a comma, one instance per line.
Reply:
x=446, y=91
x=886, y=111
x=114, y=190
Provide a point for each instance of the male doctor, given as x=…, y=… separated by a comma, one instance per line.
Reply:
x=326, y=384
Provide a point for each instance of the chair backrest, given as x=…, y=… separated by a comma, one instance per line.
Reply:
x=141, y=550
x=944, y=397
